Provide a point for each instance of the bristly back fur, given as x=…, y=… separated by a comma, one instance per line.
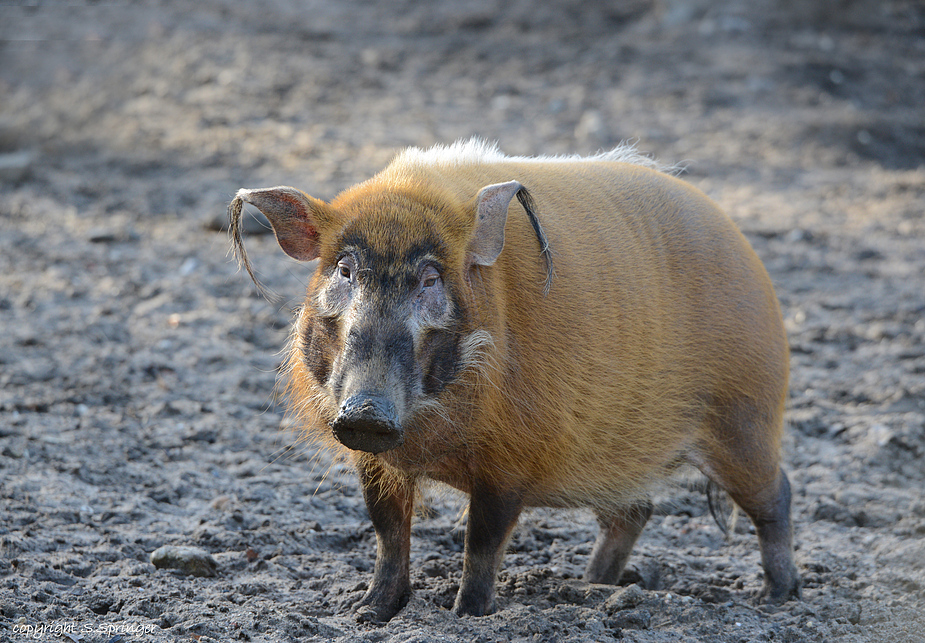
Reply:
x=476, y=150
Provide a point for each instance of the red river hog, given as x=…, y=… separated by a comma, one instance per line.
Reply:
x=550, y=331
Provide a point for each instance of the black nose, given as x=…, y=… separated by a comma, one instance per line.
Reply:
x=368, y=422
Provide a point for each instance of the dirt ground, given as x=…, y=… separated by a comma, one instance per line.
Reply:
x=137, y=366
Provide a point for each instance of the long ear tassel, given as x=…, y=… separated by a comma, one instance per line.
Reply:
x=235, y=209
x=526, y=200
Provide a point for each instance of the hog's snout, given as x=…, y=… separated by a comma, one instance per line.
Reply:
x=368, y=422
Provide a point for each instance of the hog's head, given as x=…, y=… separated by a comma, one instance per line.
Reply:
x=387, y=321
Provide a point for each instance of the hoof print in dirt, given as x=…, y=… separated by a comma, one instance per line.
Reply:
x=190, y=561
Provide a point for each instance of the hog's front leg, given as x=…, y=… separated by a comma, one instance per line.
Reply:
x=390, y=503
x=492, y=516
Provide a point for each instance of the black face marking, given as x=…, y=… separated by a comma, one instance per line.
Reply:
x=391, y=318
x=440, y=359
x=400, y=346
x=389, y=266
x=320, y=339
x=366, y=342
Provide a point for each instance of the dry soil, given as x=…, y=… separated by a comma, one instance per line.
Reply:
x=137, y=366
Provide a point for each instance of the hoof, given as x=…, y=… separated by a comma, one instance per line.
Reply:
x=464, y=607
x=776, y=595
x=370, y=615
x=378, y=612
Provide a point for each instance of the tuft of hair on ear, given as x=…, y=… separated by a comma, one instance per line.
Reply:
x=235, y=211
x=526, y=200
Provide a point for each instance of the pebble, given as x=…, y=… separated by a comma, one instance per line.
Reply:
x=192, y=561
x=626, y=598
x=14, y=166
x=111, y=235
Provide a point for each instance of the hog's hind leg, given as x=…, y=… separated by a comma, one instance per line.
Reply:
x=619, y=531
x=770, y=513
x=744, y=460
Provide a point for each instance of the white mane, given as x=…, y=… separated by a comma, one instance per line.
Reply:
x=475, y=151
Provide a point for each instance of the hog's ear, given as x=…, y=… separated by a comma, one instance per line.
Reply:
x=490, y=216
x=295, y=218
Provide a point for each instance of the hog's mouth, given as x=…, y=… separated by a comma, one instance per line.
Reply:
x=368, y=422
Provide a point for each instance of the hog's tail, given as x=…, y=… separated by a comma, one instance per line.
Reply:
x=724, y=511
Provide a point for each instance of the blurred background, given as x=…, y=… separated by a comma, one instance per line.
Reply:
x=321, y=93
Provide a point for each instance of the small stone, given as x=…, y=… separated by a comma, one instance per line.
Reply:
x=797, y=235
x=626, y=598
x=221, y=502
x=631, y=620
x=102, y=235
x=112, y=235
x=14, y=166
x=189, y=266
x=192, y=561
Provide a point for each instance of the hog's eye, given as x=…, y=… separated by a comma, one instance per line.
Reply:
x=430, y=277
x=344, y=270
